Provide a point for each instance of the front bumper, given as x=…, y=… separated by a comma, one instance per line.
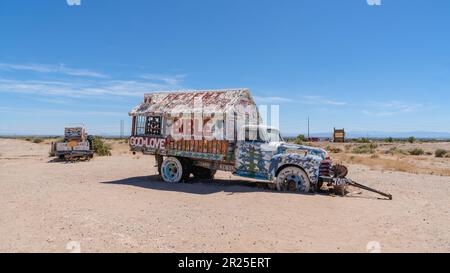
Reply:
x=74, y=153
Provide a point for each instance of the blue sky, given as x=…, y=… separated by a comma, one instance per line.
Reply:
x=343, y=63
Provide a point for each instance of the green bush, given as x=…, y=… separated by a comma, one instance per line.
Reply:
x=300, y=139
x=411, y=139
x=440, y=153
x=389, y=140
x=416, y=151
x=363, y=140
x=100, y=147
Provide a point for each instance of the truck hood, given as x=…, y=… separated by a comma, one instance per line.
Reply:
x=287, y=148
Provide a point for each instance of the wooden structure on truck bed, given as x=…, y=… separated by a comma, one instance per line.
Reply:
x=196, y=124
x=339, y=135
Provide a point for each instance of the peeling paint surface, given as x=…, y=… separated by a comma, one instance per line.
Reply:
x=204, y=101
x=262, y=160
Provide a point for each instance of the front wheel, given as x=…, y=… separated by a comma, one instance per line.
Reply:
x=293, y=179
x=172, y=170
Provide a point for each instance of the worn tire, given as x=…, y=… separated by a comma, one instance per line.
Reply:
x=187, y=168
x=319, y=185
x=172, y=170
x=293, y=179
x=159, y=160
x=203, y=173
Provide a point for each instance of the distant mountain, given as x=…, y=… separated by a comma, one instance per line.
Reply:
x=381, y=134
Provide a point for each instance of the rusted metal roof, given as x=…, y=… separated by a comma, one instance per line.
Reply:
x=205, y=101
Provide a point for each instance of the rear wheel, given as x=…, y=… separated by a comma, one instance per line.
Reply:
x=187, y=168
x=159, y=160
x=293, y=179
x=172, y=170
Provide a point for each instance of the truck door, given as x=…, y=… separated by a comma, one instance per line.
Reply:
x=253, y=155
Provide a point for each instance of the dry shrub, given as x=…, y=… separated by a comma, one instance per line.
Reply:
x=335, y=150
x=440, y=153
x=365, y=149
x=395, y=150
x=37, y=140
x=398, y=164
x=34, y=139
x=416, y=151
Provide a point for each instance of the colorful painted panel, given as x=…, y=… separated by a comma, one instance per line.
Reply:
x=201, y=149
x=153, y=126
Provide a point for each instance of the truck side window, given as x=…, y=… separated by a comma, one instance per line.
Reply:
x=252, y=134
x=140, y=125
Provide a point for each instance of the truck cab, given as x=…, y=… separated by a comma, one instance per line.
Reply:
x=263, y=154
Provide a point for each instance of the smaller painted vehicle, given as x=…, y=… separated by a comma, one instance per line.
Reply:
x=200, y=132
x=76, y=145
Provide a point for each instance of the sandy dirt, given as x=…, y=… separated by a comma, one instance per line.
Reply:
x=118, y=204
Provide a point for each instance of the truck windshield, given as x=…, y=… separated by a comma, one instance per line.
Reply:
x=262, y=134
x=273, y=135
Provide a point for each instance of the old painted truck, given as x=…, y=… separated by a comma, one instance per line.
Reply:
x=200, y=132
x=75, y=145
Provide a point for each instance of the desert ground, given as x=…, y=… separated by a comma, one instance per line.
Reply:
x=118, y=204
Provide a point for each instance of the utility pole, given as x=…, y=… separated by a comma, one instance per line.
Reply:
x=121, y=128
x=308, y=128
